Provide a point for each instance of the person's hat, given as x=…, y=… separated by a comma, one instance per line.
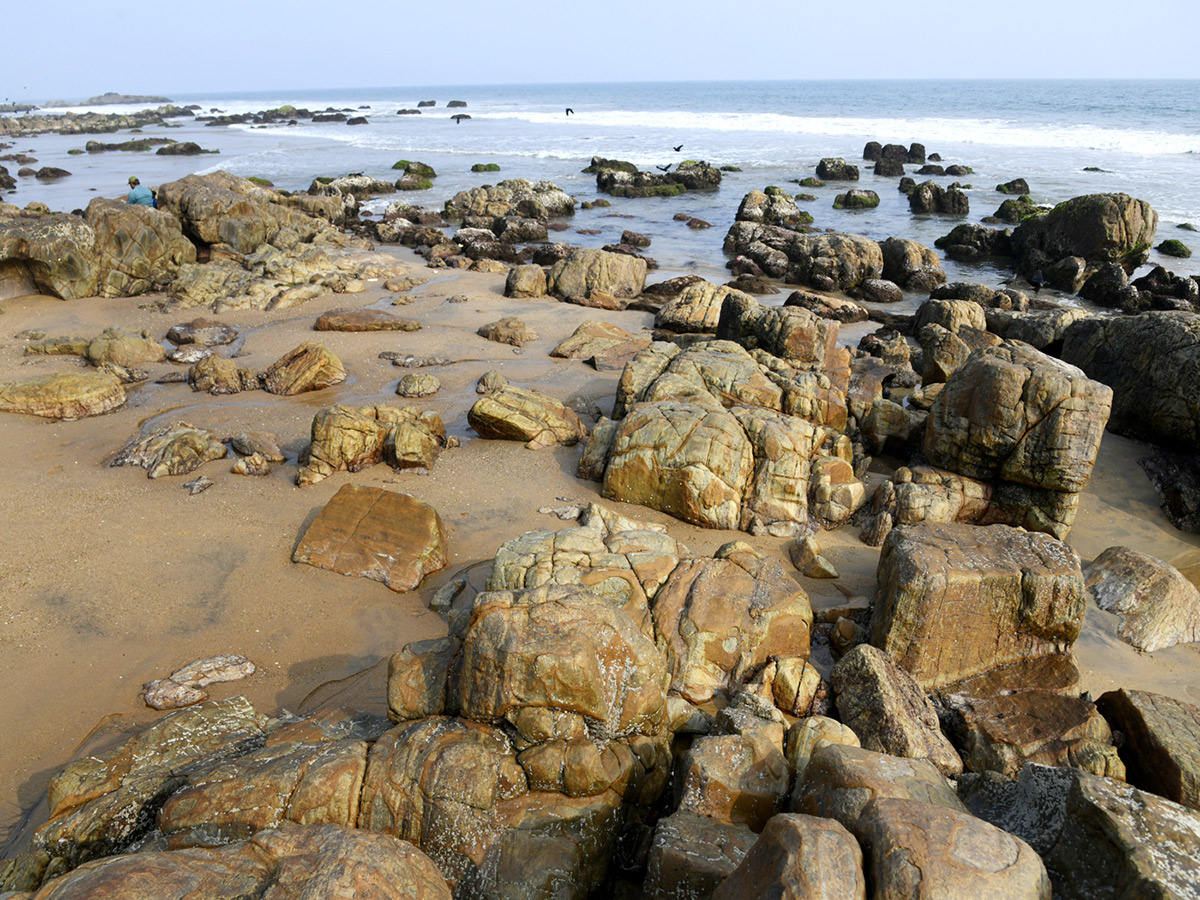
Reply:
x=133, y=179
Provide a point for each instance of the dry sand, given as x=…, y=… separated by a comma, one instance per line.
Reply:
x=109, y=579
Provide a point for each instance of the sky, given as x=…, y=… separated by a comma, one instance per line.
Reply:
x=141, y=47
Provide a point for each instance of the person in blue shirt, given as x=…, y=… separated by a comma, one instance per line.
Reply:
x=139, y=195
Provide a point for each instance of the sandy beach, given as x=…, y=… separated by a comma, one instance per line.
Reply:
x=112, y=579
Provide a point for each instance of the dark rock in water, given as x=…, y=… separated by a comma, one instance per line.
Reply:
x=457, y=104
x=856, y=199
x=425, y=103
x=894, y=151
x=1097, y=227
x=51, y=172
x=907, y=186
x=1159, y=285
x=1109, y=286
x=358, y=120
x=634, y=239
x=836, y=169
x=1016, y=186
x=959, y=171
x=1018, y=209
x=599, y=162
x=873, y=151
x=968, y=242
x=1174, y=247
x=916, y=153
x=408, y=112
x=931, y=169
x=1176, y=477
x=329, y=117
x=1068, y=274
x=182, y=148
x=929, y=197
x=889, y=168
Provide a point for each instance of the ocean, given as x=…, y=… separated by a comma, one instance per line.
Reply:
x=1065, y=138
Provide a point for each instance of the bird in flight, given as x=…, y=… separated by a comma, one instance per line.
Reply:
x=663, y=168
x=680, y=147
x=570, y=111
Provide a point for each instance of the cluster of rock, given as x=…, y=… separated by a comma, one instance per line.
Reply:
x=623, y=179
x=614, y=713
x=87, y=123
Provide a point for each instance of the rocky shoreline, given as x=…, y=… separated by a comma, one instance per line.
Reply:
x=601, y=709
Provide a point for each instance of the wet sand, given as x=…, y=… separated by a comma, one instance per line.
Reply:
x=109, y=579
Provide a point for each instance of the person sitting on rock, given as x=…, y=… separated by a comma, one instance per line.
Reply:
x=138, y=195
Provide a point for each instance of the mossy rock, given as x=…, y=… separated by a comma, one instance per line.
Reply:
x=771, y=191
x=1173, y=247
x=811, y=181
x=672, y=189
x=261, y=182
x=594, y=204
x=415, y=168
x=689, y=162
x=856, y=199
x=413, y=182
x=731, y=168
x=485, y=167
x=74, y=151
x=805, y=198
x=324, y=179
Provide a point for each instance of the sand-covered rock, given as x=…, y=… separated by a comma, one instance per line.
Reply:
x=310, y=367
x=520, y=414
x=63, y=395
x=363, y=320
x=1158, y=606
x=373, y=533
x=957, y=600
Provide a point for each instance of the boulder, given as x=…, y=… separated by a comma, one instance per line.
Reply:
x=741, y=780
x=957, y=600
x=217, y=375
x=347, y=438
x=138, y=248
x=798, y=857
x=1042, y=329
x=833, y=262
x=310, y=367
x=856, y=199
x=836, y=169
x=64, y=395
x=692, y=854
x=175, y=449
x=292, y=861
x=921, y=849
x=911, y=265
x=520, y=414
x=841, y=780
x=373, y=533
x=1097, y=227
x=970, y=241
x=791, y=333
x=50, y=253
x=1157, y=605
x=124, y=348
x=1016, y=186
x=1176, y=479
x=509, y=330
x=585, y=271
x=205, y=332
x=721, y=621
x=828, y=307
x=774, y=206
x=1152, y=363
x=601, y=340
x=416, y=384
x=1162, y=742
x=888, y=710
x=697, y=308
x=930, y=197
x=525, y=281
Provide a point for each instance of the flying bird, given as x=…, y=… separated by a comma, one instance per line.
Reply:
x=680, y=147
x=570, y=111
x=663, y=168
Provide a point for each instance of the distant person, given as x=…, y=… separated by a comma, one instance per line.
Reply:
x=138, y=195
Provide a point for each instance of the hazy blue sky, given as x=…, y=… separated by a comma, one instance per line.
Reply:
x=182, y=48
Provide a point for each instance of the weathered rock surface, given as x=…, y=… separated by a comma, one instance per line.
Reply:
x=799, y=857
x=920, y=849
x=692, y=854
x=742, y=780
x=1158, y=606
x=175, y=449
x=697, y=308
x=363, y=320
x=188, y=682
x=1152, y=364
x=217, y=375
x=509, y=330
x=888, y=710
x=957, y=600
x=1098, y=228
x=310, y=367
x=911, y=264
x=138, y=248
x=585, y=271
x=1162, y=743
x=51, y=254
x=124, y=348
x=377, y=534
x=205, y=332
x=519, y=414
x=64, y=395
x=601, y=342
x=348, y=438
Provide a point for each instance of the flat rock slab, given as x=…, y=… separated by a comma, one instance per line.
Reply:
x=68, y=395
x=363, y=320
x=206, y=332
x=377, y=534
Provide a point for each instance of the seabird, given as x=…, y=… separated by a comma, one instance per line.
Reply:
x=570, y=111
x=680, y=147
x=1037, y=279
x=663, y=168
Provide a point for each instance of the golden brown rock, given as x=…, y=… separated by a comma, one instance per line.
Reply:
x=377, y=534
x=520, y=414
x=172, y=450
x=218, y=375
x=124, y=348
x=138, y=248
x=697, y=308
x=310, y=367
x=1162, y=742
x=510, y=330
x=692, y=854
x=1158, y=606
x=66, y=395
x=363, y=320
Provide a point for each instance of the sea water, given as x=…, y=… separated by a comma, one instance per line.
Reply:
x=1065, y=138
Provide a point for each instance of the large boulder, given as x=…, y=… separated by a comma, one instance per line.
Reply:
x=138, y=248
x=958, y=600
x=930, y=197
x=833, y=262
x=1098, y=228
x=585, y=271
x=1162, y=742
x=697, y=308
x=52, y=253
x=774, y=206
x=1156, y=603
x=692, y=854
x=378, y=534
x=739, y=779
x=521, y=414
x=309, y=367
x=1152, y=364
x=538, y=199
x=791, y=333
x=911, y=264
